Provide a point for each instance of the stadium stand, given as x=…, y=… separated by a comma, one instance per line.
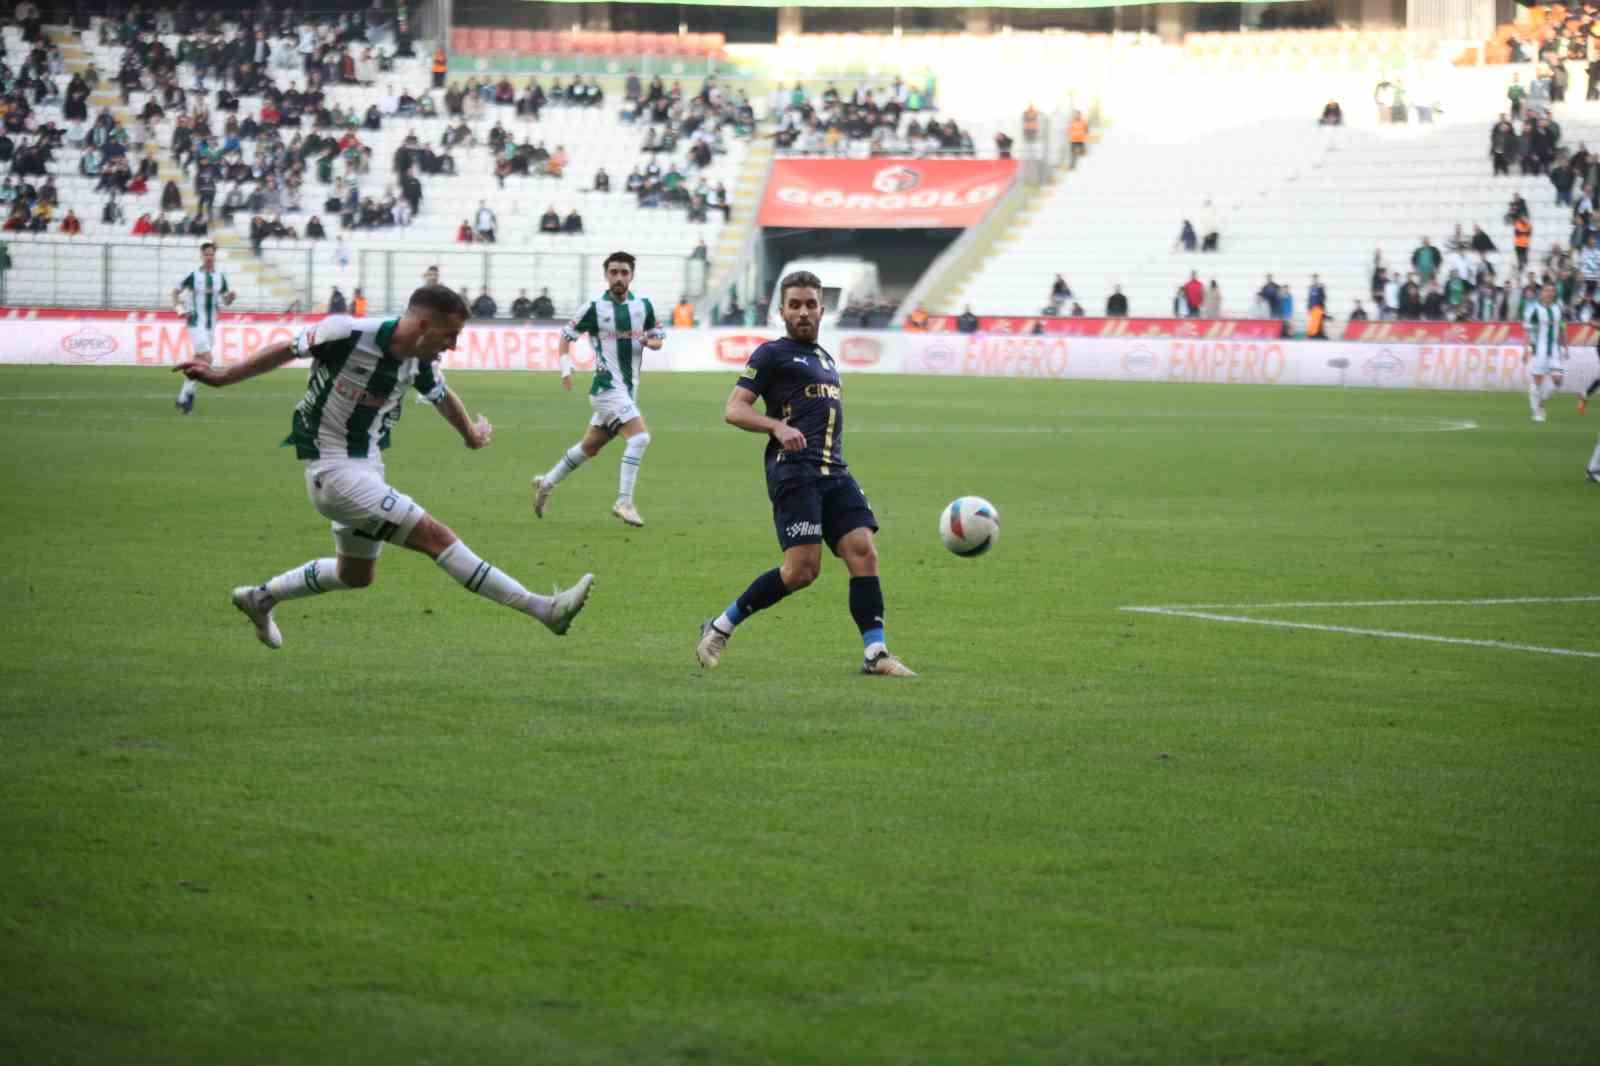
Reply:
x=108, y=261
x=1289, y=197
x=1221, y=131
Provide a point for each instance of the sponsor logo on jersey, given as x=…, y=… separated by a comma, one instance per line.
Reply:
x=824, y=392
x=356, y=394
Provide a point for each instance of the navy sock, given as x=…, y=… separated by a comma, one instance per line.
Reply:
x=763, y=592
x=1593, y=385
x=866, y=607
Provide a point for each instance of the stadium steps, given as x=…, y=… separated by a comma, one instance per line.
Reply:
x=75, y=59
x=729, y=254
x=943, y=292
x=265, y=286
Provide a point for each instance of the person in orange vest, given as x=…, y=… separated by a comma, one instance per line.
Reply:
x=1078, y=134
x=358, y=304
x=1522, y=237
x=683, y=314
x=441, y=67
x=916, y=321
x=1314, y=317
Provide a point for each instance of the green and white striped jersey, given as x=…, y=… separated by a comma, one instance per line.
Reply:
x=619, y=329
x=1546, y=328
x=354, y=395
x=205, y=296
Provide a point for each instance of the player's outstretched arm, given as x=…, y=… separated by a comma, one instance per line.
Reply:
x=565, y=351
x=474, y=435
x=269, y=358
x=740, y=411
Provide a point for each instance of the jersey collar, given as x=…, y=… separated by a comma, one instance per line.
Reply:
x=385, y=336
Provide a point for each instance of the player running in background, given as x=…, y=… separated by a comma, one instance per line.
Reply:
x=1546, y=355
x=814, y=497
x=198, y=297
x=360, y=371
x=622, y=326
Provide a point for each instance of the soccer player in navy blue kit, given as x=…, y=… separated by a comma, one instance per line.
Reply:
x=814, y=498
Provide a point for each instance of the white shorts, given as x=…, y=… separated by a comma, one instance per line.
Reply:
x=365, y=511
x=200, y=339
x=1555, y=363
x=613, y=409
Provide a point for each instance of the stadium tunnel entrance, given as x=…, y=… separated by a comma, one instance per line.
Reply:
x=901, y=257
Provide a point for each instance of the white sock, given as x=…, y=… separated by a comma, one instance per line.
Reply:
x=475, y=575
x=1546, y=389
x=190, y=387
x=570, y=460
x=311, y=579
x=1535, y=400
x=632, y=456
x=1594, y=460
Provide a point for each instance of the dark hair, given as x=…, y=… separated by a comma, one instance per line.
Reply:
x=800, y=279
x=438, y=298
x=208, y=244
x=618, y=257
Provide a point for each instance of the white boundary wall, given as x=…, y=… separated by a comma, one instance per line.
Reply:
x=162, y=341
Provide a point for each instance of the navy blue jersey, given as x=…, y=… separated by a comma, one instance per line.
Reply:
x=800, y=384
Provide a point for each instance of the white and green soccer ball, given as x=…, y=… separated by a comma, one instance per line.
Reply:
x=969, y=526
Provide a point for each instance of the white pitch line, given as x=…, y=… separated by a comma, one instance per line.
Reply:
x=1429, y=638
x=1365, y=603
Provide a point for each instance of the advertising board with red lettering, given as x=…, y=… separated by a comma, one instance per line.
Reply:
x=1025, y=325
x=884, y=193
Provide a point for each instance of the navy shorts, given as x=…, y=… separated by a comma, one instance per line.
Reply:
x=814, y=510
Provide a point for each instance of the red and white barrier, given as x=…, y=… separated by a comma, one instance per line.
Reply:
x=145, y=339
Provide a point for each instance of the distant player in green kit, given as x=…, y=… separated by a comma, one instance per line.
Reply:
x=198, y=297
x=622, y=326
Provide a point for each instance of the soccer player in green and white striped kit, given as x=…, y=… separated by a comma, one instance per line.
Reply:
x=198, y=297
x=361, y=369
x=622, y=326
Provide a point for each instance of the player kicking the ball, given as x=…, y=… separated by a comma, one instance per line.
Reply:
x=622, y=326
x=360, y=371
x=814, y=497
x=198, y=297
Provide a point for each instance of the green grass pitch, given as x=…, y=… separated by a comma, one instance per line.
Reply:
x=426, y=831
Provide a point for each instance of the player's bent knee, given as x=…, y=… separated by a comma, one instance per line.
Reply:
x=430, y=537
x=797, y=575
x=356, y=573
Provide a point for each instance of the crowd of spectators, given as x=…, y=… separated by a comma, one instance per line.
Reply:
x=1461, y=282
x=258, y=164
x=867, y=122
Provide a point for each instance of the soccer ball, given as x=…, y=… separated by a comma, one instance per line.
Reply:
x=969, y=526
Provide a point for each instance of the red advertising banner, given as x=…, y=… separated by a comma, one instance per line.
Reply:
x=884, y=193
x=1025, y=325
x=1579, y=334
